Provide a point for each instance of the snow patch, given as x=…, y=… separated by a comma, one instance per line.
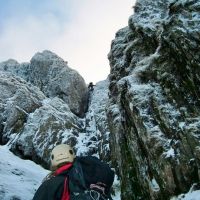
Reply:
x=154, y=185
x=19, y=178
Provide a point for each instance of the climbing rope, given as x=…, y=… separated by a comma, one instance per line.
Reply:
x=94, y=195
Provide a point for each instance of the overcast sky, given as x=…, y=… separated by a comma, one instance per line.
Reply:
x=79, y=31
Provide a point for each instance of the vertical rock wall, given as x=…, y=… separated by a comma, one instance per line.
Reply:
x=154, y=111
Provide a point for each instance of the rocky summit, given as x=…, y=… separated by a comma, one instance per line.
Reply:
x=53, y=77
x=144, y=120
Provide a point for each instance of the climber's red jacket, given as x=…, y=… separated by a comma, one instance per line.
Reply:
x=55, y=188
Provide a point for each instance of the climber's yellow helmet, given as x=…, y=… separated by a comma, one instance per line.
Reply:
x=61, y=154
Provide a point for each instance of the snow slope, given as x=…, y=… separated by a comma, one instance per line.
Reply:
x=19, y=179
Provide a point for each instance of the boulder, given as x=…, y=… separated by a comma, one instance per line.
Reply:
x=17, y=99
x=53, y=77
x=51, y=124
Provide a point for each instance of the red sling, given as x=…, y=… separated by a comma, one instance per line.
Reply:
x=65, y=195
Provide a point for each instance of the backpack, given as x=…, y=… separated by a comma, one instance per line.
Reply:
x=90, y=178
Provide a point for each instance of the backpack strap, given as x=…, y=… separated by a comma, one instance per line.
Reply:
x=76, y=178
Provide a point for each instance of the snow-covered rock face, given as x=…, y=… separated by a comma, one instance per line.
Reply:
x=17, y=99
x=154, y=108
x=52, y=123
x=32, y=123
x=96, y=120
x=53, y=77
x=42, y=104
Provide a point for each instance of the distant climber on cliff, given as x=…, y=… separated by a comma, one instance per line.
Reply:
x=91, y=86
x=75, y=178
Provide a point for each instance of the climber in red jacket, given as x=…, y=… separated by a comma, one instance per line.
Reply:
x=75, y=178
x=53, y=188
